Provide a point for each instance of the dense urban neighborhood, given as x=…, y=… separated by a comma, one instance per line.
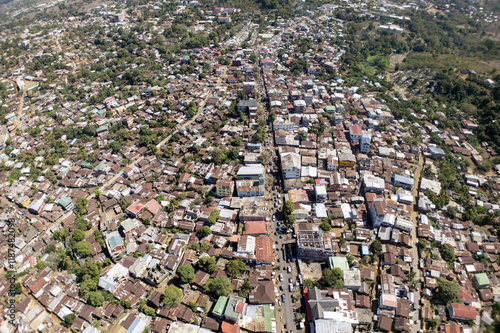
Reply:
x=235, y=166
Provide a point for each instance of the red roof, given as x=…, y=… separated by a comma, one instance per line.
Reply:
x=153, y=206
x=227, y=327
x=239, y=307
x=135, y=208
x=255, y=228
x=356, y=129
x=461, y=311
x=264, y=248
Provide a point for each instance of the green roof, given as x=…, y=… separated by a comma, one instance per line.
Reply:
x=220, y=306
x=86, y=164
x=340, y=262
x=102, y=128
x=114, y=239
x=482, y=279
x=128, y=225
x=64, y=201
x=268, y=315
x=330, y=108
x=101, y=112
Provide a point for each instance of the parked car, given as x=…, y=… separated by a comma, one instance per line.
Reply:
x=283, y=298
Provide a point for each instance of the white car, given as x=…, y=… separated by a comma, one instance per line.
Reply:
x=281, y=277
x=290, y=287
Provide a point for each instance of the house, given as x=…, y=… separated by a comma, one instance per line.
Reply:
x=320, y=193
x=364, y=143
x=66, y=203
x=134, y=209
x=355, y=132
x=346, y=160
x=263, y=294
x=332, y=163
x=249, y=106
x=462, y=312
x=437, y=153
x=224, y=19
x=291, y=165
x=378, y=210
x=220, y=307
x=235, y=309
x=224, y=188
x=314, y=245
x=481, y=281
x=403, y=182
x=114, y=243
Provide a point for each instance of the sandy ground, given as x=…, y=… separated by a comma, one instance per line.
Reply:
x=311, y=271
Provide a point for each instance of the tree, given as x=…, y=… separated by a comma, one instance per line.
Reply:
x=272, y=116
x=68, y=320
x=435, y=323
x=205, y=231
x=96, y=298
x=220, y=286
x=253, y=57
x=214, y=216
x=78, y=235
x=302, y=135
x=83, y=248
x=172, y=296
x=291, y=219
x=289, y=207
x=448, y=290
x=376, y=247
x=218, y=156
x=382, y=126
x=186, y=273
x=333, y=278
x=325, y=224
x=207, y=264
x=309, y=283
x=81, y=206
x=236, y=267
x=448, y=253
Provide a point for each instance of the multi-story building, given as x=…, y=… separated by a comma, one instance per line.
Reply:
x=291, y=165
x=378, y=210
x=224, y=188
x=364, y=143
x=314, y=245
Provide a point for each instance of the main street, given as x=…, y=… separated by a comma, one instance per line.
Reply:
x=286, y=273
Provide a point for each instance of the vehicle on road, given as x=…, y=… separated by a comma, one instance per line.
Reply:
x=290, y=287
x=289, y=269
x=281, y=277
x=283, y=298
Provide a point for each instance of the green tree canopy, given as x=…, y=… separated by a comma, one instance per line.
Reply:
x=220, y=286
x=333, y=278
x=289, y=207
x=96, y=298
x=83, y=248
x=205, y=231
x=325, y=225
x=172, y=296
x=207, y=264
x=186, y=273
x=448, y=253
x=448, y=290
x=376, y=247
x=236, y=267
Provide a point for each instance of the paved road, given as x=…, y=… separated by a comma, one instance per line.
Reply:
x=285, y=317
x=414, y=249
